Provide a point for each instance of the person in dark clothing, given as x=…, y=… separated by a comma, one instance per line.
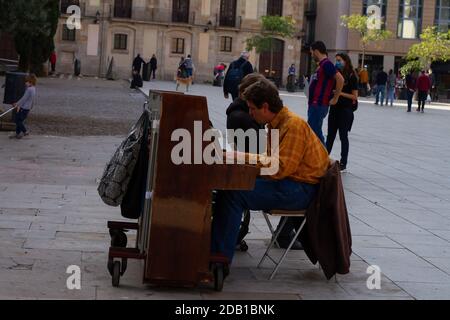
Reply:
x=341, y=115
x=382, y=79
x=137, y=81
x=238, y=116
x=411, y=87
x=153, y=66
x=236, y=72
x=137, y=63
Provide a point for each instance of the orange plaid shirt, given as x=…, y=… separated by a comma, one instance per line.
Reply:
x=302, y=157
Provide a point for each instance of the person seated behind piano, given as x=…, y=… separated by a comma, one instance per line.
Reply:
x=238, y=117
x=303, y=160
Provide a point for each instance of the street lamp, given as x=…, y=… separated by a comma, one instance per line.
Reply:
x=208, y=26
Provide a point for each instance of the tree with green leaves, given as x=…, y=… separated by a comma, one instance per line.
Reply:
x=271, y=28
x=434, y=47
x=33, y=24
x=367, y=29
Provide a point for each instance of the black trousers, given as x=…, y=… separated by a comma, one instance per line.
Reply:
x=422, y=97
x=410, y=97
x=340, y=119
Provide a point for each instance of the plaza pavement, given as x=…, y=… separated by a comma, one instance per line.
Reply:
x=397, y=192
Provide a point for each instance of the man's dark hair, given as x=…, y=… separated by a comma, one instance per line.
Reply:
x=319, y=46
x=249, y=80
x=264, y=91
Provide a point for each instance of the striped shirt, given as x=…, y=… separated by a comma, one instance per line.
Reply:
x=322, y=84
x=302, y=157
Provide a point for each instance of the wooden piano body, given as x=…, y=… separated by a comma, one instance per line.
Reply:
x=174, y=232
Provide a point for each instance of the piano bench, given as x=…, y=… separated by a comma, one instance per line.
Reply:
x=275, y=234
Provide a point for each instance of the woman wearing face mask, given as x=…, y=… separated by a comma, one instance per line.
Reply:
x=341, y=115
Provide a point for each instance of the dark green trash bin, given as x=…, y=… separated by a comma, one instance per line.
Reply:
x=14, y=87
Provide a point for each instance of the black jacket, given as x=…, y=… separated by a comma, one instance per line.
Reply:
x=238, y=117
x=153, y=63
x=382, y=78
x=247, y=68
x=137, y=63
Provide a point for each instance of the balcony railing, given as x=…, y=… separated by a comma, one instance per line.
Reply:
x=161, y=16
x=229, y=21
x=64, y=4
x=122, y=12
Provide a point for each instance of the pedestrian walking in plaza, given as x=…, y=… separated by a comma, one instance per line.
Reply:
x=374, y=91
x=182, y=76
x=411, y=89
x=341, y=115
x=363, y=81
x=219, y=74
x=53, y=61
x=291, y=81
x=153, y=66
x=423, y=88
x=237, y=71
x=137, y=81
x=323, y=82
x=390, y=86
x=24, y=106
x=382, y=79
x=137, y=63
x=189, y=67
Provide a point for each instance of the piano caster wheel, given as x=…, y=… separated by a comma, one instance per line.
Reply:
x=118, y=239
x=243, y=246
x=124, y=266
x=111, y=267
x=218, y=277
x=116, y=274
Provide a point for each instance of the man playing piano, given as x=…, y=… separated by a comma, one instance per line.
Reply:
x=302, y=161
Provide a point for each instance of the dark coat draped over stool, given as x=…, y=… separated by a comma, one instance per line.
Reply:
x=327, y=237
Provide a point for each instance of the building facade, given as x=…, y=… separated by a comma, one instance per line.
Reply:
x=404, y=18
x=212, y=31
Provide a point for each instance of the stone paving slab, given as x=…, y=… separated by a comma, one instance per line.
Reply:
x=397, y=194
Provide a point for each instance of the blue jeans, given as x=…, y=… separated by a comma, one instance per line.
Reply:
x=390, y=96
x=316, y=115
x=267, y=195
x=20, y=118
x=381, y=90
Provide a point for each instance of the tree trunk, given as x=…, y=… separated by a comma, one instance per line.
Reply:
x=271, y=57
x=363, y=57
